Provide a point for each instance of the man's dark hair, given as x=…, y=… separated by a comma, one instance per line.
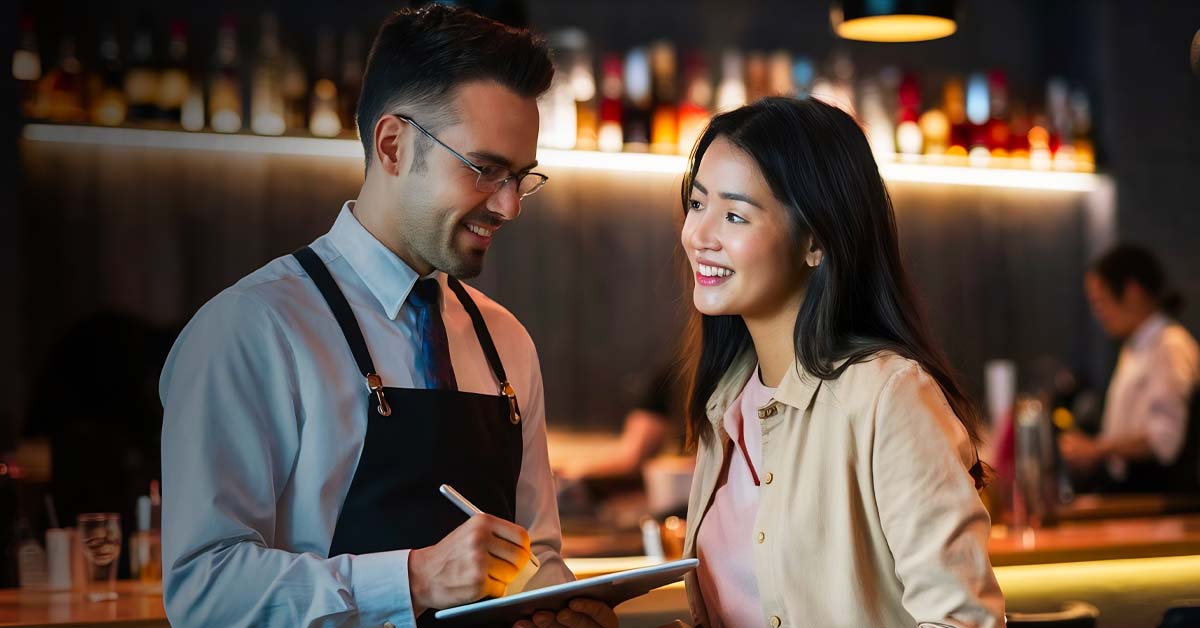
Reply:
x=1129, y=262
x=420, y=56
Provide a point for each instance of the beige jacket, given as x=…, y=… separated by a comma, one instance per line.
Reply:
x=868, y=515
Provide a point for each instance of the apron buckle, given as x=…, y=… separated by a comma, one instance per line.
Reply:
x=514, y=412
x=375, y=383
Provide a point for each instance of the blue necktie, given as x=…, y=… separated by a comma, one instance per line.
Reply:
x=434, y=355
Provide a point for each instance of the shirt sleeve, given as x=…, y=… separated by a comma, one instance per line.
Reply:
x=229, y=443
x=934, y=522
x=1168, y=386
x=537, y=500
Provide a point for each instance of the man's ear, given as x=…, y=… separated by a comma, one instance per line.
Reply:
x=814, y=254
x=392, y=145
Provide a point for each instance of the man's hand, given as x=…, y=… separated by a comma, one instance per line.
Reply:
x=581, y=613
x=478, y=559
x=1080, y=451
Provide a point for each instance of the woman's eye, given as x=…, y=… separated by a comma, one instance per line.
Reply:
x=694, y=205
x=734, y=218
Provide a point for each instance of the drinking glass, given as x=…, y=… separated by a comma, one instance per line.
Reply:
x=100, y=540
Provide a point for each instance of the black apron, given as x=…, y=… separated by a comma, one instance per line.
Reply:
x=419, y=439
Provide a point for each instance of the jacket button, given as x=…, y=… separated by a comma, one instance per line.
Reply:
x=776, y=621
x=770, y=477
x=388, y=624
x=762, y=536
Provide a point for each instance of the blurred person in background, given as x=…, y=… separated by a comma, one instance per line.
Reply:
x=1148, y=440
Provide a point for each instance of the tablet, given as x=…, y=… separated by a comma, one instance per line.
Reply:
x=612, y=589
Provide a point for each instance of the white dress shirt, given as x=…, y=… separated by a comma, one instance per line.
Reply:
x=1156, y=372
x=265, y=415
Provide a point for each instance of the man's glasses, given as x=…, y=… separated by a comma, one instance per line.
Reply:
x=490, y=178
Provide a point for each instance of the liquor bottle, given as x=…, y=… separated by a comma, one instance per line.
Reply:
x=174, y=84
x=583, y=87
x=697, y=98
x=803, y=73
x=142, y=78
x=225, y=85
x=610, y=135
x=1019, y=124
x=60, y=92
x=637, y=104
x=756, y=76
x=324, y=120
x=779, y=74
x=842, y=83
x=27, y=68
x=731, y=91
x=1041, y=157
x=880, y=129
x=978, y=113
x=556, y=107
x=664, y=126
x=351, y=83
x=997, y=135
x=1081, y=125
x=294, y=88
x=1062, y=133
x=106, y=90
x=954, y=100
x=909, y=140
x=266, y=86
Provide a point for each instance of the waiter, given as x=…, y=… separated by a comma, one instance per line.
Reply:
x=1149, y=440
x=313, y=408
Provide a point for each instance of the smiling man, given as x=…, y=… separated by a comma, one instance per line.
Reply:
x=313, y=408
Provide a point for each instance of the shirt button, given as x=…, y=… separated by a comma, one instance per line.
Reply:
x=769, y=478
x=776, y=621
x=388, y=624
x=762, y=536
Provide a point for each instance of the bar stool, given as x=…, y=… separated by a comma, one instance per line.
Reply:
x=1181, y=617
x=1072, y=615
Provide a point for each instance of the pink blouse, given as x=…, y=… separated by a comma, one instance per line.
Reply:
x=725, y=540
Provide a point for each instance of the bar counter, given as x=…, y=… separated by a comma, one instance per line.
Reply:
x=1131, y=569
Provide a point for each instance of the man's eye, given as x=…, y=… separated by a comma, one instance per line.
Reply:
x=493, y=173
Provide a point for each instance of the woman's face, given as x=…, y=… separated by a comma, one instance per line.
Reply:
x=737, y=238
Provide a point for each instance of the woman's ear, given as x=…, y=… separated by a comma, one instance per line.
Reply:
x=815, y=254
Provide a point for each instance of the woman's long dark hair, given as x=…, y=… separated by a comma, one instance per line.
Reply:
x=858, y=300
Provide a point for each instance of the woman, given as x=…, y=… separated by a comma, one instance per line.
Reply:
x=837, y=474
x=1145, y=442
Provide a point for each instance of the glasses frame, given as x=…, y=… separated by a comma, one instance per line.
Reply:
x=490, y=188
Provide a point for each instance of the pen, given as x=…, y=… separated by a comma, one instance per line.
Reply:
x=470, y=510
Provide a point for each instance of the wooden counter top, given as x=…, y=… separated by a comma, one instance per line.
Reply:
x=135, y=607
x=1177, y=535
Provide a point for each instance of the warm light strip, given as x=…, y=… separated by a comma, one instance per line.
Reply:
x=549, y=158
x=625, y=162
x=990, y=177
x=184, y=140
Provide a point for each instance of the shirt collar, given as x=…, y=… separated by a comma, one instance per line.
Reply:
x=387, y=276
x=796, y=389
x=1147, y=331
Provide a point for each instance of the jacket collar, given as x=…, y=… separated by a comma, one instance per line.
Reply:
x=796, y=390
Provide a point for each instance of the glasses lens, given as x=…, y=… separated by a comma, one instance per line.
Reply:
x=530, y=184
x=490, y=178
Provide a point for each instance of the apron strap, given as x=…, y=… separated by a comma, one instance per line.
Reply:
x=341, y=308
x=489, y=347
x=345, y=319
